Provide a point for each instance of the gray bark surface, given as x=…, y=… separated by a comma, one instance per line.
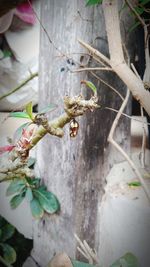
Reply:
x=74, y=169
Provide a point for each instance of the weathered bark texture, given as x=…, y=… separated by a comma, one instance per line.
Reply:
x=74, y=169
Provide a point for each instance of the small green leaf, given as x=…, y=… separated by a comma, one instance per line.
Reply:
x=29, y=194
x=7, y=232
x=9, y=253
x=47, y=200
x=7, y=53
x=128, y=260
x=90, y=85
x=15, y=187
x=93, y=2
x=16, y=201
x=18, y=132
x=23, y=115
x=134, y=26
x=36, y=209
x=29, y=110
x=134, y=183
x=31, y=162
x=48, y=108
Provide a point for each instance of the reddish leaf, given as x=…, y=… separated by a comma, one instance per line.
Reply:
x=4, y=149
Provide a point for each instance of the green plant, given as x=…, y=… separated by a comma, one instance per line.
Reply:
x=93, y=2
x=37, y=195
x=24, y=183
x=7, y=252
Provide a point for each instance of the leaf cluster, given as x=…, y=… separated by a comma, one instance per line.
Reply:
x=37, y=195
x=7, y=252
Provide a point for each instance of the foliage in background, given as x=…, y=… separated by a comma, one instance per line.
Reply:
x=139, y=6
x=93, y=2
x=7, y=252
x=14, y=247
x=37, y=195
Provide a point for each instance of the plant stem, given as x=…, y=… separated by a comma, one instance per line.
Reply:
x=19, y=86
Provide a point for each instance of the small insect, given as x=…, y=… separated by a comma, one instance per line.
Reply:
x=74, y=127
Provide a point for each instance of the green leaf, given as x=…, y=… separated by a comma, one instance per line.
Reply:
x=48, y=108
x=15, y=187
x=144, y=2
x=36, y=209
x=9, y=253
x=7, y=232
x=80, y=264
x=23, y=115
x=2, y=221
x=29, y=110
x=47, y=200
x=135, y=25
x=128, y=260
x=29, y=194
x=16, y=201
x=134, y=183
x=31, y=162
x=93, y=2
x=90, y=85
x=7, y=53
x=18, y=132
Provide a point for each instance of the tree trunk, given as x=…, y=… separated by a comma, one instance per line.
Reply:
x=74, y=169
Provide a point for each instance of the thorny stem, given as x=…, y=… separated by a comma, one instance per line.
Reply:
x=19, y=86
x=74, y=107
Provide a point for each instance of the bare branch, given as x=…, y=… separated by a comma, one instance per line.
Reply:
x=107, y=84
x=32, y=76
x=114, y=143
x=92, y=69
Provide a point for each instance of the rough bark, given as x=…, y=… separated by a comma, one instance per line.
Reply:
x=74, y=169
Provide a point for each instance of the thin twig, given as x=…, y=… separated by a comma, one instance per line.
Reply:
x=90, y=251
x=92, y=69
x=135, y=71
x=107, y=84
x=142, y=153
x=94, y=52
x=127, y=116
x=135, y=12
x=86, y=251
x=49, y=38
x=19, y=86
x=114, y=143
